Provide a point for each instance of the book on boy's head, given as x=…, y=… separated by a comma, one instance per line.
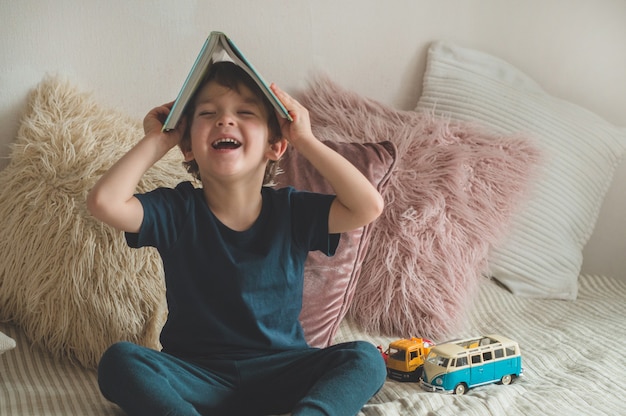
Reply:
x=217, y=48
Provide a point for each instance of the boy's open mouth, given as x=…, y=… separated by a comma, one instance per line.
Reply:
x=226, y=143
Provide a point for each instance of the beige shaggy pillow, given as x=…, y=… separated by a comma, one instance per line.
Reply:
x=69, y=281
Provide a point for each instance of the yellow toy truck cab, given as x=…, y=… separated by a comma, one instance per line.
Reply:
x=405, y=358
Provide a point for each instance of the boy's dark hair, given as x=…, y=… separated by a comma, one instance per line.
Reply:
x=232, y=76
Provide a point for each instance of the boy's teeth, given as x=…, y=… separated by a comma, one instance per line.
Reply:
x=232, y=143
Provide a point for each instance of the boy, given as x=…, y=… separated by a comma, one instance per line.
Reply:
x=233, y=253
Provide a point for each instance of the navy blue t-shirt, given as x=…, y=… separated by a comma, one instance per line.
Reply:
x=230, y=293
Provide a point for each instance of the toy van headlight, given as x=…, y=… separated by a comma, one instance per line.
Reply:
x=438, y=381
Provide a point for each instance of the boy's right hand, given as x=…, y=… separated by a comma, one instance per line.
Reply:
x=112, y=199
x=153, y=125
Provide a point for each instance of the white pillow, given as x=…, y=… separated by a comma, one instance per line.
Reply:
x=6, y=343
x=543, y=255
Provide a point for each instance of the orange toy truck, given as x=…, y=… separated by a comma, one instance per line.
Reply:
x=405, y=358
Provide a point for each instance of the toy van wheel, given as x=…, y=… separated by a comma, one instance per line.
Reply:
x=460, y=389
x=506, y=380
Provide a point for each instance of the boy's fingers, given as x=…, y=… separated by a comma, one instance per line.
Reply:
x=280, y=93
x=296, y=110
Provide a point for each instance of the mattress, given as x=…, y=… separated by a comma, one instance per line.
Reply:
x=572, y=355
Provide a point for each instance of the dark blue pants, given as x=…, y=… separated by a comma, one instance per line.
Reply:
x=333, y=381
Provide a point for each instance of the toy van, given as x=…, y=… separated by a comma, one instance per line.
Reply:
x=457, y=366
x=405, y=358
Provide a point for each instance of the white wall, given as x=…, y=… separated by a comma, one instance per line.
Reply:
x=135, y=54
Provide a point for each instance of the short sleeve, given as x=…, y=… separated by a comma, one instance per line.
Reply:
x=165, y=212
x=310, y=221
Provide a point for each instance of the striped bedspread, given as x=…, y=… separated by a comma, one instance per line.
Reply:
x=573, y=355
x=32, y=383
x=572, y=352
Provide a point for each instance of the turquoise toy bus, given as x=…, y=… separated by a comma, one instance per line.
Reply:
x=457, y=366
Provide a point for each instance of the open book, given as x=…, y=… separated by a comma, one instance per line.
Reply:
x=217, y=48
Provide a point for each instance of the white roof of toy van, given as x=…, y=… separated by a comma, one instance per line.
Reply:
x=455, y=347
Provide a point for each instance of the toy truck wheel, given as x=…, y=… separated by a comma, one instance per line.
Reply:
x=506, y=380
x=417, y=374
x=460, y=389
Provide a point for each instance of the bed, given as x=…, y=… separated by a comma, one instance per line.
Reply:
x=492, y=189
x=569, y=351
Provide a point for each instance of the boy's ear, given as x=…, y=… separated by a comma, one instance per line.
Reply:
x=187, y=152
x=277, y=149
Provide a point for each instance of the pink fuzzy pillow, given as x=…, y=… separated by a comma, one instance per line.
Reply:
x=449, y=201
x=329, y=282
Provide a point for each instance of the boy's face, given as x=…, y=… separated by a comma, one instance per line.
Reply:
x=229, y=133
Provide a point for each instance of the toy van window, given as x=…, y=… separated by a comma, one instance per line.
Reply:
x=487, y=355
x=499, y=353
x=461, y=361
x=438, y=360
x=476, y=359
x=510, y=351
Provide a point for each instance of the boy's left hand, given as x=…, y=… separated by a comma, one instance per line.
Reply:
x=357, y=201
x=300, y=127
